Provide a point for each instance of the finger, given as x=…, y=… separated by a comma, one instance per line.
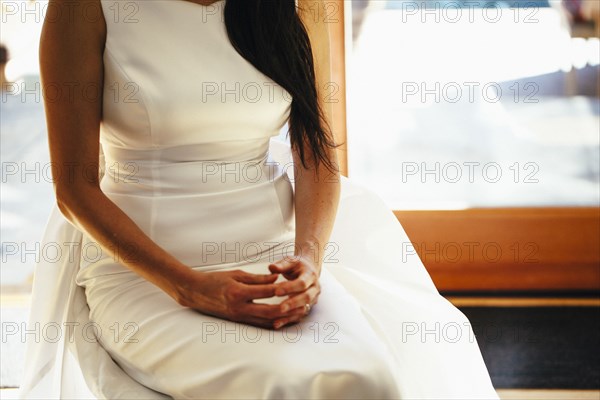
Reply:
x=284, y=265
x=298, y=285
x=294, y=317
x=266, y=311
x=255, y=291
x=260, y=322
x=248, y=278
x=244, y=318
x=300, y=300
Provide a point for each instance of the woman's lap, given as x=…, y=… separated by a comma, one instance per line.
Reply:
x=332, y=353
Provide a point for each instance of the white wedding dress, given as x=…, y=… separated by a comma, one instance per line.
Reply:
x=187, y=154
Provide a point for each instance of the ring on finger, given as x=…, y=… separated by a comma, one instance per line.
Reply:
x=307, y=308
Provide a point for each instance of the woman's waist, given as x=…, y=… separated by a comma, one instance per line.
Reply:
x=200, y=215
x=148, y=178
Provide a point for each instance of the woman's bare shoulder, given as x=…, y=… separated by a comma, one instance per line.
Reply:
x=85, y=18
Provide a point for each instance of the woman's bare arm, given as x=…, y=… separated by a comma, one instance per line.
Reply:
x=317, y=190
x=71, y=58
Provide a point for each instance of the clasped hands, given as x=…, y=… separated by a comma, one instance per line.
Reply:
x=230, y=294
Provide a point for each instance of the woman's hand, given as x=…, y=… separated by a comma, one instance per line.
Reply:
x=230, y=294
x=302, y=287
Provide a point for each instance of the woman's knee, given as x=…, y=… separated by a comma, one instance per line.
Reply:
x=319, y=374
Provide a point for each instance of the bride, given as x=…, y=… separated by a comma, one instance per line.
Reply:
x=205, y=267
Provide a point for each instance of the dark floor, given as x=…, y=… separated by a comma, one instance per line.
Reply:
x=539, y=347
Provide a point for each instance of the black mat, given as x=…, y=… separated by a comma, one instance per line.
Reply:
x=539, y=347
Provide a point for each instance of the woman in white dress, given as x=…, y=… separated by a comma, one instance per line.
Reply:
x=197, y=264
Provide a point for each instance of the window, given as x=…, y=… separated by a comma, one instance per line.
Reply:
x=478, y=124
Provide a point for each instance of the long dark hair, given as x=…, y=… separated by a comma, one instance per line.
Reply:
x=271, y=36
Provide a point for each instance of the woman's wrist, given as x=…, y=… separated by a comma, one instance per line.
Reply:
x=310, y=250
x=179, y=283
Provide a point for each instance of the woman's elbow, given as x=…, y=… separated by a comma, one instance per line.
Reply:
x=69, y=198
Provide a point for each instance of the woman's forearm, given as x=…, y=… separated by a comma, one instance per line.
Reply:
x=317, y=190
x=316, y=200
x=120, y=237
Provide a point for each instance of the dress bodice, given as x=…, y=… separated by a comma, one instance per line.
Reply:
x=185, y=86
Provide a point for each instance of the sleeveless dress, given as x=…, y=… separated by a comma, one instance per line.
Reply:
x=188, y=154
